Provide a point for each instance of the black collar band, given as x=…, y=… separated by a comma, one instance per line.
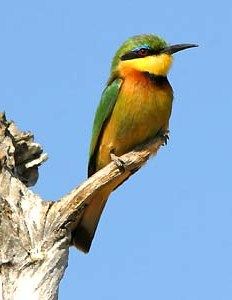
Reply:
x=157, y=79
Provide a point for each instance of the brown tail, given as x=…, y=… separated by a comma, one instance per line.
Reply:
x=85, y=231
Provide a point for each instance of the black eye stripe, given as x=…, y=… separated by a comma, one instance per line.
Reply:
x=142, y=52
x=129, y=55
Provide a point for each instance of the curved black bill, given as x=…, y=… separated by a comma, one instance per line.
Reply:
x=178, y=47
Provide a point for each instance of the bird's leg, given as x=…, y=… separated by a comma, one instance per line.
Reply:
x=117, y=160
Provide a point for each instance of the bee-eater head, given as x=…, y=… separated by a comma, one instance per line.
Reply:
x=145, y=53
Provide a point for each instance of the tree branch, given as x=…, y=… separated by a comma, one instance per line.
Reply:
x=35, y=234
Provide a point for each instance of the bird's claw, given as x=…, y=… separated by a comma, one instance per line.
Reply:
x=165, y=137
x=118, y=161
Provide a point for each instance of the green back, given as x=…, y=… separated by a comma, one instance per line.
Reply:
x=104, y=110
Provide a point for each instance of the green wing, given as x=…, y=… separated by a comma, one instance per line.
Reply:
x=104, y=110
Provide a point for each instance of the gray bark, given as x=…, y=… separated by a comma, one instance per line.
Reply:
x=35, y=234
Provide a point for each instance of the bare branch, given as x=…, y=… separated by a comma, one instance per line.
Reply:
x=68, y=209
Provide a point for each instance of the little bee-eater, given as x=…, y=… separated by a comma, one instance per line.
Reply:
x=135, y=106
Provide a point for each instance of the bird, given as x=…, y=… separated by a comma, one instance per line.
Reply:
x=135, y=106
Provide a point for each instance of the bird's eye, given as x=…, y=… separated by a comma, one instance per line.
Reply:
x=143, y=52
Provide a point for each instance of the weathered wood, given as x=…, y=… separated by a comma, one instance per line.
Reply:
x=35, y=235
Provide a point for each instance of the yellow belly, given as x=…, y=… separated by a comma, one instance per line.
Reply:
x=142, y=110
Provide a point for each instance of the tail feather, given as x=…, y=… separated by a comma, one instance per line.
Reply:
x=85, y=231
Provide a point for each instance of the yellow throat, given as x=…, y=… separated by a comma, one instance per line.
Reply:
x=155, y=64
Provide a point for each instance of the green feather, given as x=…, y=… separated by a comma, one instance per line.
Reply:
x=104, y=110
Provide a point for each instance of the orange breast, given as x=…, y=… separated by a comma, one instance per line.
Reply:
x=142, y=110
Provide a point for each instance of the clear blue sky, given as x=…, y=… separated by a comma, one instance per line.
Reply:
x=166, y=233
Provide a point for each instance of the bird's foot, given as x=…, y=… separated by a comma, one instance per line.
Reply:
x=118, y=161
x=165, y=137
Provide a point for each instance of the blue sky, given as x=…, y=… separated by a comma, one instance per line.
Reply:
x=166, y=233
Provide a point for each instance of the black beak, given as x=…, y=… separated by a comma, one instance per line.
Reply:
x=176, y=48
